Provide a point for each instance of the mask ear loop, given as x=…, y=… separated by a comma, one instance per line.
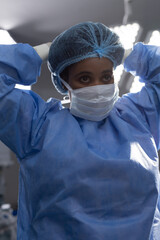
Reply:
x=66, y=99
x=66, y=85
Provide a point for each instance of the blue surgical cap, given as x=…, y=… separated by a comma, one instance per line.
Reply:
x=81, y=41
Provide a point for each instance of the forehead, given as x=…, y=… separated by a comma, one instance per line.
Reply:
x=92, y=64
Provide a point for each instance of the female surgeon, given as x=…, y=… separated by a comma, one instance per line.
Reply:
x=89, y=172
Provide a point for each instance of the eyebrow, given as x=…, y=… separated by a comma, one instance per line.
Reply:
x=81, y=73
x=90, y=73
x=107, y=71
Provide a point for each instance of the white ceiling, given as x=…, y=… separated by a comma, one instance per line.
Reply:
x=37, y=21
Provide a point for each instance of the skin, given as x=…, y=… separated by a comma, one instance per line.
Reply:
x=89, y=72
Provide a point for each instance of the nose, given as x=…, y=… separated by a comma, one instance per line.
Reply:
x=96, y=82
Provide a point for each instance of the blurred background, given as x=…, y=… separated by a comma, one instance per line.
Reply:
x=36, y=22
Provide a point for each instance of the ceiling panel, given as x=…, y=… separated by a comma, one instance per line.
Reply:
x=35, y=21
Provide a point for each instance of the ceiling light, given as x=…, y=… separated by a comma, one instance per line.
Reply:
x=118, y=73
x=136, y=85
x=128, y=34
x=154, y=38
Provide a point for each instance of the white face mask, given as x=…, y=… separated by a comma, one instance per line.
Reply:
x=93, y=103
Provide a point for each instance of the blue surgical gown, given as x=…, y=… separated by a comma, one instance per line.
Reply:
x=79, y=179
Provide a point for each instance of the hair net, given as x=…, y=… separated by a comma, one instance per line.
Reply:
x=84, y=40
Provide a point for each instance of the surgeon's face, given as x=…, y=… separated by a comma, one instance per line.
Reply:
x=90, y=72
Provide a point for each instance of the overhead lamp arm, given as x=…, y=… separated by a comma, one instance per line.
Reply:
x=127, y=11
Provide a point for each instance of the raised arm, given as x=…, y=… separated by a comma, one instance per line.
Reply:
x=20, y=111
x=144, y=61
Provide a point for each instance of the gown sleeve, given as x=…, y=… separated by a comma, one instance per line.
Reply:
x=144, y=62
x=21, y=112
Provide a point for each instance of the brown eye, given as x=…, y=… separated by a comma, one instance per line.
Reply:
x=84, y=79
x=107, y=78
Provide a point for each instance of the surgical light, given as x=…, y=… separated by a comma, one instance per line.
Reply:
x=136, y=85
x=118, y=73
x=154, y=38
x=128, y=34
